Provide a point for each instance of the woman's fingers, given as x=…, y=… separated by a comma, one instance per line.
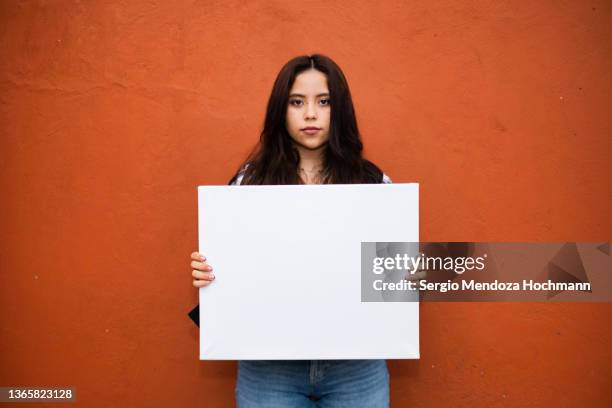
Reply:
x=202, y=279
x=196, y=256
x=201, y=266
x=201, y=283
x=202, y=275
x=201, y=271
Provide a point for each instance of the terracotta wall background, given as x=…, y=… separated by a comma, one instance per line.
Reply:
x=111, y=113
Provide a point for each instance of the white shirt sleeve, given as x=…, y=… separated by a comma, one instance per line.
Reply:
x=240, y=176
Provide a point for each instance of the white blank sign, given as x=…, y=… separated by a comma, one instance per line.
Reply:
x=288, y=272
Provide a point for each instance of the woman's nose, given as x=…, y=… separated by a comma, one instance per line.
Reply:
x=311, y=113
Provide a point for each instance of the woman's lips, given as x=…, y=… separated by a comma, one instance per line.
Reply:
x=310, y=131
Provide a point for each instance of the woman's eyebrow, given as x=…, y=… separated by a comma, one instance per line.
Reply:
x=303, y=96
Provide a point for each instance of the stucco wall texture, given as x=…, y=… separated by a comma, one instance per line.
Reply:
x=111, y=113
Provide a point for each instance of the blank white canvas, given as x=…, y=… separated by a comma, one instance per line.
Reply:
x=287, y=261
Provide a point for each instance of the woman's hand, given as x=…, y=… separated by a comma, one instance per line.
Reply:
x=201, y=271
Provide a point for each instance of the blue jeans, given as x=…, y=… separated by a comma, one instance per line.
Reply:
x=312, y=383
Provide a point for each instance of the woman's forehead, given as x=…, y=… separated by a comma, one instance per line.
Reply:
x=310, y=82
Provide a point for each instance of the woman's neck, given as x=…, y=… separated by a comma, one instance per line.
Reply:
x=310, y=160
x=311, y=164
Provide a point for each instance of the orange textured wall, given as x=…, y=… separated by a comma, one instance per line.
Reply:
x=111, y=113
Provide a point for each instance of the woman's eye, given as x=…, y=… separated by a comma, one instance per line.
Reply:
x=299, y=102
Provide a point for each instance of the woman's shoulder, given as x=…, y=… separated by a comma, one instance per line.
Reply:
x=237, y=179
x=374, y=174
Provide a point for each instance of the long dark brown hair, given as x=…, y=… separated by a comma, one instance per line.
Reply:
x=275, y=159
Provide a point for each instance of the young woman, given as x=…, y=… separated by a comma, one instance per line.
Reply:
x=310, y=136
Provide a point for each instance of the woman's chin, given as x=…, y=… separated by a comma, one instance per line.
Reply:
x=311, y=144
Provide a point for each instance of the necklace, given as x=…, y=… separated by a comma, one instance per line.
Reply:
x=313, y=175
x=318, y=171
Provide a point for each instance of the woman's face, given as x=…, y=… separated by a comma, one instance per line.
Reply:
x=309, y=107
